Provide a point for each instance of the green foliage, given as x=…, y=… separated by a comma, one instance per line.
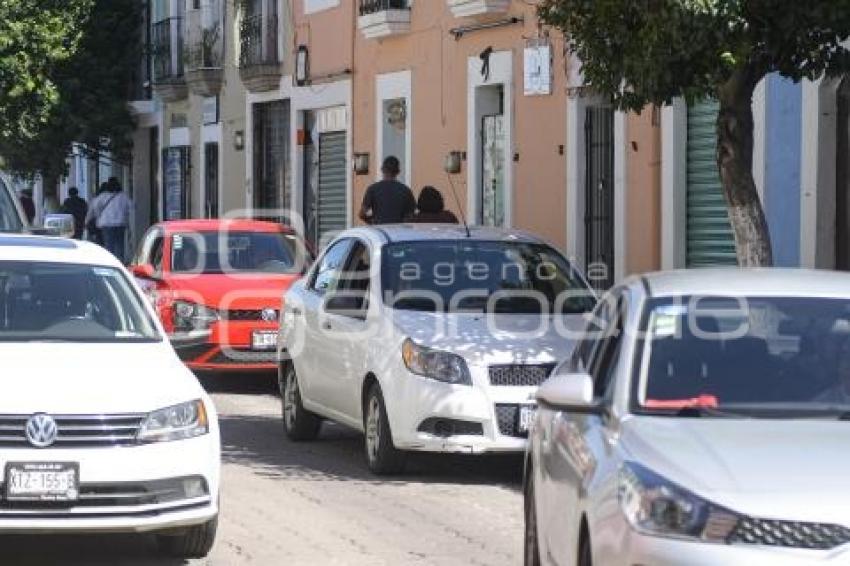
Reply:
x=35, y=37
x=651, y=51
x=91, y=88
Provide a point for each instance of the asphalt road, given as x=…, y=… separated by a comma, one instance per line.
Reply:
x=317, y=504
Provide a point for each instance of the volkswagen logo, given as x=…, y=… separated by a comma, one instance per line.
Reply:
x=41, y=430
x=269, y=315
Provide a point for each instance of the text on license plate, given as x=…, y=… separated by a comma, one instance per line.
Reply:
x=264, y=340
x=526, y=417
x=42, y=482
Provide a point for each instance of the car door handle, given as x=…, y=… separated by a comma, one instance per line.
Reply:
x=327, y=325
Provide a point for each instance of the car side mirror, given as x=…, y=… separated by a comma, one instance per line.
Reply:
x=345, y=304
x=144, y=271
x=570, y=391
x=59, y=225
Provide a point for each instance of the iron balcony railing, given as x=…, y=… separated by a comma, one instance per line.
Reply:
x=258, y=41
x=204, y=38
x=374, y=6
x=167, y=49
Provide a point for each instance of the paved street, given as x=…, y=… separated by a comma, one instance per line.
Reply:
x=316, y=504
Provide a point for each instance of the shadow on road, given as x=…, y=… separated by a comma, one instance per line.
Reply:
x=85, y=550
x=259, y=443
x=254, y=383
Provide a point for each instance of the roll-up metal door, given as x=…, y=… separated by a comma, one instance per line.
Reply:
x=332, y=183
x=709, y=233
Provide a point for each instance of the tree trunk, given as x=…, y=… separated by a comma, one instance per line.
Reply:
x=735, y=162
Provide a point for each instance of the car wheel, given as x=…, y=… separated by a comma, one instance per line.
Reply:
x=298, y=423
x=585, y=552
x=383, y=457
x=532, y=545
x=194, y=542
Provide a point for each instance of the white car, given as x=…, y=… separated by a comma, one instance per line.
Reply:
x=427, y=338
x=102, y=428
x=701, y=421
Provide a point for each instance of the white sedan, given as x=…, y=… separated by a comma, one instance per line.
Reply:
x=102, y=428
x=427, y=338
x=701, y=421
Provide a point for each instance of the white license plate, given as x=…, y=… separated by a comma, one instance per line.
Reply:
x=42, y=482
x=264, y=340
x=526, y=417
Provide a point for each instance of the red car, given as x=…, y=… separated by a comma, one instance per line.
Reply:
x=218, y=287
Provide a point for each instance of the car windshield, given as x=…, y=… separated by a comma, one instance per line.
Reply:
x=752, y=356
x=482, y=276
x=10, y=221
x=233, y=252
x=70, y=303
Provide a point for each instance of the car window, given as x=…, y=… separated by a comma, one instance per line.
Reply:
x=156, y=252
x=605, y=359
x=328, y=271
x=598, y=322
x=233, y=252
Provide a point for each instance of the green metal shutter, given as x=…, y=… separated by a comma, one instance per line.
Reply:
x=332, y=183
x=709, y=234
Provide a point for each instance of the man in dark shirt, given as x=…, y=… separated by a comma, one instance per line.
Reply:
x=28, y=205
x=76, y=207
x=388, y=201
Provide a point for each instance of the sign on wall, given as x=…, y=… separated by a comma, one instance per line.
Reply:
x=538, y=67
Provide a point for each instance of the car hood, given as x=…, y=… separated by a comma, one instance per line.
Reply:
x=74, y=378
x=489, y=339
x=775, y=469
x=231, y=292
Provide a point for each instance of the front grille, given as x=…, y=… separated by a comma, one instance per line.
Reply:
x=243, y=315
x=445, y=428
x=789, y=534
x=507, y=417
x=520, y=375
x=242, y=356
x=75, y=431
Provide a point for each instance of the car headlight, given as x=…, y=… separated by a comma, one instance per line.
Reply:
x=435, y=364
x=192, y=316
x=180, y=422
x=656, y=506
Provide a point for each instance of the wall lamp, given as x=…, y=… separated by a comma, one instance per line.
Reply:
x=239, y=140
x=361, y=164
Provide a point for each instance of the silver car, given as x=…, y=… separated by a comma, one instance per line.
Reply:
x=700, y=421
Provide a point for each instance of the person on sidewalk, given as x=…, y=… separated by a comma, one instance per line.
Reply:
x=76, y=207
x=388, y=201
x=110, y=211
x=432, y=209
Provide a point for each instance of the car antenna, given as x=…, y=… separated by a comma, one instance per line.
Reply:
x=459, y=207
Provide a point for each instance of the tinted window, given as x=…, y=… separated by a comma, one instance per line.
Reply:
x=228, y=252
x=66, y=302
x=751, y=355
x=10, y=221
x=471, y=275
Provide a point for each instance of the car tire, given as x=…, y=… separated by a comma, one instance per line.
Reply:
x=194, y=542
x=299, y=424
x=531, y=543
x=381, y=454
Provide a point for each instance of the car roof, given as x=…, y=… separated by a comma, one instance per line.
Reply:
x=739, y=282
x=18, y=247
x=436, y=232
x=215, y=225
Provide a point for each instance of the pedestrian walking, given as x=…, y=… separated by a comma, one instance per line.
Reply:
x=28, y=205
x=110, y=211
x=77, y=207
x=388, y=201
x=431, y=209
x=93, y=232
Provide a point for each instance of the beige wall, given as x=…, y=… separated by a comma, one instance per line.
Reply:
x=643, y=220
x=439, y=108
x=329, y=35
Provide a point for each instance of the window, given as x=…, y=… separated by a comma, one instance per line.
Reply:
x=355, y=281
x=327, y=275
x=232, y=252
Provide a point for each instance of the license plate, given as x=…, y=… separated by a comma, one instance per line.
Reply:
x=264, y=340
x=42, y=482
x=526, y=417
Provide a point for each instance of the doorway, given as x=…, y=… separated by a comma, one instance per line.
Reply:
x=842, y=177
x=493, y=158
x=271, y=160
x=211, y=208
x=599, y=196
